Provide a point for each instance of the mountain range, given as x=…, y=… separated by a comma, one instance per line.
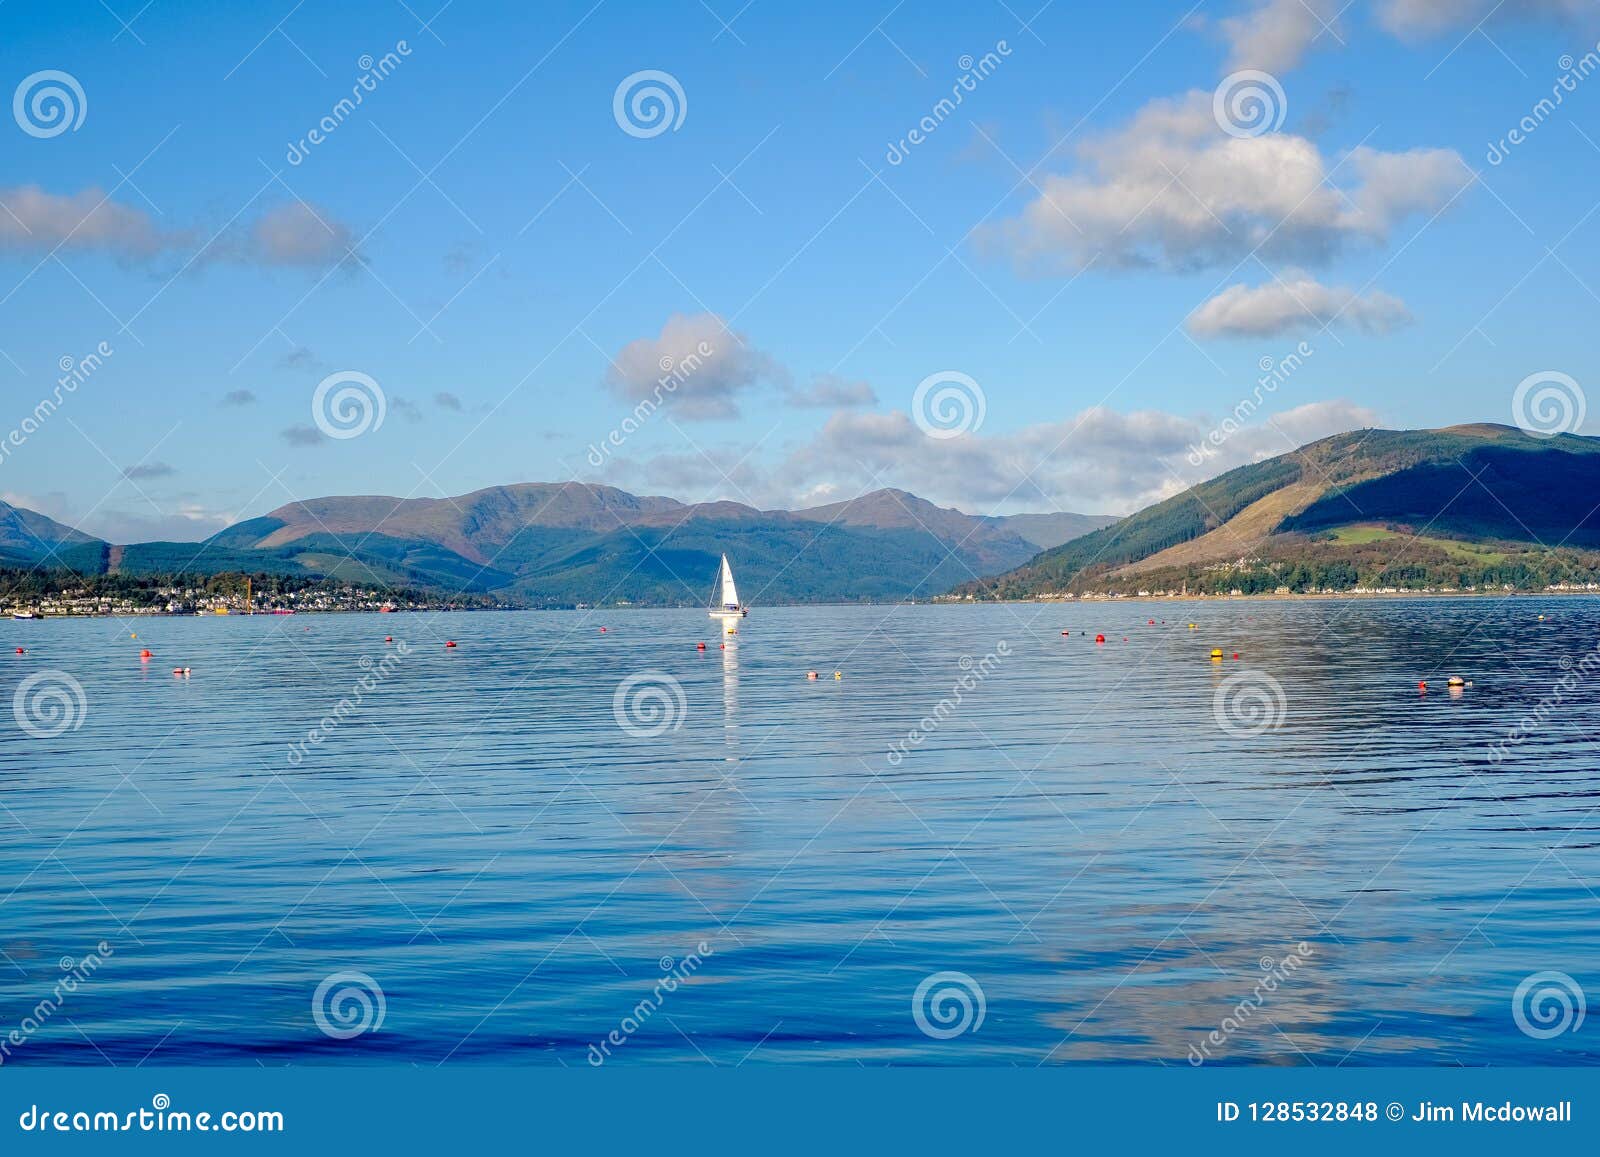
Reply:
x=565, y=543
x=1476, y=506
x=1466, y=507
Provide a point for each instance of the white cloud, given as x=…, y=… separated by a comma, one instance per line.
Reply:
x=1275, y=34
x=1294, y=304
x=831, y=392
x=293, y=234
x=709, y=364
x=300, y=234
x=1414, y=19
x=1171, y=190
x=1098, y=461
x=32, y=219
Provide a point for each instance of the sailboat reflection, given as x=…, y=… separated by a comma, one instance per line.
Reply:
x=730, y=691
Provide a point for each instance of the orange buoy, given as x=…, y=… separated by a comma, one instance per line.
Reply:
x=1422, y=686
x=1066, y=632
x=450, y=643
x=144, y=654
x=699, y=646
x=1152, y=622
x=1099, y=638
x=811, y=674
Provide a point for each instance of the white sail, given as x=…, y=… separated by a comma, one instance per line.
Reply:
x=730, y=593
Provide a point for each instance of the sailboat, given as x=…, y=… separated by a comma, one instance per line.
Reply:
x=727, y=605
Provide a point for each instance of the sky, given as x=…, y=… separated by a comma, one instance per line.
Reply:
x=1007, y=256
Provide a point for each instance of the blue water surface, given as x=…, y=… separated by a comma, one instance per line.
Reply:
x=991, y=841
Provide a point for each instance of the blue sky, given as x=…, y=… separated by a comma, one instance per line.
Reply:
x=483, y=240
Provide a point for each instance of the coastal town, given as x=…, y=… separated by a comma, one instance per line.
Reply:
x=97, y=597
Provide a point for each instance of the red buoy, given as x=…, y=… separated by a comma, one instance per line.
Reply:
x=388, y=638
x=451, y=643
x=1236, y=654
x=602, y=630
x=1152, y=622
x=1099, y=638
x=1422, y=686
x=699, y=646
x=144, y=654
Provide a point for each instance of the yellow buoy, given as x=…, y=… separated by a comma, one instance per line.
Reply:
x=1216, y=652
x=838, y=674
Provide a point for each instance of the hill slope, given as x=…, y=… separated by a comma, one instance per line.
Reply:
x=1368, y=508
x=564, y=543
x=28, y=539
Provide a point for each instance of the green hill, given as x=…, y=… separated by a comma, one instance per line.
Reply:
x=1467, y=506
x=556, y=544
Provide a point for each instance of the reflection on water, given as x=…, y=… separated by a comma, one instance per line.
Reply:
x=1116, y=844
x=730, y=690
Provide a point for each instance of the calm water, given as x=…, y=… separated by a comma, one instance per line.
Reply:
x=1109, y=867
